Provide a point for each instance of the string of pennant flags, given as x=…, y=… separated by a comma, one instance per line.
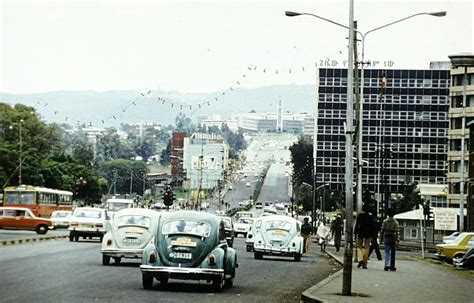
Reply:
x=192, y=108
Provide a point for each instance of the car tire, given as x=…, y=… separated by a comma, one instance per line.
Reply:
x=163, y=281
x=105, y=260
x=42, y=229
x=218, y=283
x=229, y=283
x=231, y=243
x=76, y=238
x=147, y=281
x=297, y=257
x=100, y=238
x=117, y=260
x=457, y=256
x=258, y=255
x=71, y=237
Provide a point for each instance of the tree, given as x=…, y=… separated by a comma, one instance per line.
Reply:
x=110, y=146
x=407, y=197
x=120, y=173
x=165, y=158
x=182, y=122
x=302, y=159
x=145, y=147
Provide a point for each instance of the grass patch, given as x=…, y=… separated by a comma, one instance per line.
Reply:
x=465, y=273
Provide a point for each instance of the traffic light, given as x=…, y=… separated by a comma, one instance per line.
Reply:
x=168, y=198
x=428, y=212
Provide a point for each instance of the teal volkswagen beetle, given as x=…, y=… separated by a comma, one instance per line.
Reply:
x=189, y=245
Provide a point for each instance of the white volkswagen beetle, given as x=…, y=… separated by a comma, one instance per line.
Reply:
x=277, y=235
x=130, y=231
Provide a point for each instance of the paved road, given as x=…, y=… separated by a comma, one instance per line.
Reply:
x=22, y=234
x=63, y=271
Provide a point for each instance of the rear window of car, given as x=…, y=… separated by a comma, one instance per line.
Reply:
x=136, y=220
x=88, y=213
x=60, y=214
x=186, y=227
x=278, y=224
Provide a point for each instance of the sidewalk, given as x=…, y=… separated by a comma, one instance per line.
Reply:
x=414, y=281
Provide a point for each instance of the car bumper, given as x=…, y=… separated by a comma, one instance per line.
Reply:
x=123, y=253
x=86, y=232
x=184, y=273
x=276, y=251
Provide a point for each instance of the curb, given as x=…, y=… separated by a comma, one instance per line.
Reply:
x=26, y=240
x=306, y=296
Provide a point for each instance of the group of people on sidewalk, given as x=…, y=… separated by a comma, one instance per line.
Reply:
x=366, y=231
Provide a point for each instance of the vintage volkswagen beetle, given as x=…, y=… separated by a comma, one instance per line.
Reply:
x=128, y=234
x=189, y=245
x=277, y=235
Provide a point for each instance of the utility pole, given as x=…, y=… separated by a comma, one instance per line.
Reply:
x=349, y=164
x=131, y=181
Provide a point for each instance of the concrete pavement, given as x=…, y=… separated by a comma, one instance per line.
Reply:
x=414, y=281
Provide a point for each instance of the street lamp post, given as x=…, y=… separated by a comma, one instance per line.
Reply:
x=462, y=60
x=347, y=272
x=20, y=151
x=361, y=87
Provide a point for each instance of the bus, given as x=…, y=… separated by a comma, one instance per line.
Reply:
x=41, y=200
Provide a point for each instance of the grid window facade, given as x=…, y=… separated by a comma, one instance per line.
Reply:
x=408, y=120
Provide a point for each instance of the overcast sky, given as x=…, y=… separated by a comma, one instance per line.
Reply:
x=205, y=46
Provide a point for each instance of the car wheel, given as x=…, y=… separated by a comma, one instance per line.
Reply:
x=297, y=257
x=41, y=229
x=100, y=238
x=117, y=260
x=248, y=248
x=229, y=283
x=147, y=281
x=218, y=283
x=71, y=237
x=105, y=260
x=231, y=243
x=457, y=256
x=163, y=281
x=258, y=255
x=76, y=238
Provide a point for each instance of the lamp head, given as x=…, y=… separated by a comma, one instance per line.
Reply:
x=292, y=14
x=438, y=14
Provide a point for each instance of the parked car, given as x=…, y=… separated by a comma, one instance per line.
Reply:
x=244, y=214
x=270, y=210
x=87, y=222
x=23, y=219
x=187, y=246
x=229, y=230
x=242, y=226
x=277, y=235
x=61, y=218
x=451, y=237
x=457, y=247
x=129, y=233
x=467, y=261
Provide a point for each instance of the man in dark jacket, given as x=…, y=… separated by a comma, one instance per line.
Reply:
x=364, y=231
x=336, y=230
x=306, y=230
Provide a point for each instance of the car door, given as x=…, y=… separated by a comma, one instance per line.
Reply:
x=24, y=219
x=8, y=219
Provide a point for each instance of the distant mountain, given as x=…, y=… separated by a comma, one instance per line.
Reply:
x=110, y=108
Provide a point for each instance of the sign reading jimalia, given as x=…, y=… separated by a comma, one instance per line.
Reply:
x=445, y=220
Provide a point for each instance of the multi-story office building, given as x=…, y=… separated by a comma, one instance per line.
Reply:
x=456, y=112
x=205, y=159
x=272, y=122
x=405, y=124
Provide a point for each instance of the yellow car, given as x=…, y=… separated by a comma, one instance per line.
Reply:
x=457, y=248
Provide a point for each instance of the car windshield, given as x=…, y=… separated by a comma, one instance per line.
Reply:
x=278, y=224
x=88, y=213
x=60, y=214
x=115, y=206
x=245, y=221
x=186, y=227
x=138, y=220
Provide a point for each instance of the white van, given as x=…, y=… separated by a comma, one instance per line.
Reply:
x=115, y=204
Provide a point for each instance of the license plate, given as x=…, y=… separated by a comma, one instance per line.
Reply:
x=183, y=242
x=131, y=241
x=182, y=255
x=87, y=225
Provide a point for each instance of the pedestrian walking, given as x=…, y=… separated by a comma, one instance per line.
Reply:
x=323, y=233
x=374, y=241
x=306, y=230
x=390, y=232
x=336, y=231
x=364, y=230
